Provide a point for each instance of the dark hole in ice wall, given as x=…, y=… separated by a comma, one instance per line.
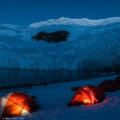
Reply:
x=56, y=36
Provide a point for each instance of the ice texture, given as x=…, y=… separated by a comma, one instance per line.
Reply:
x=92, y=44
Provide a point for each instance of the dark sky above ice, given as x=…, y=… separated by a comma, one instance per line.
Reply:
x=24, y=12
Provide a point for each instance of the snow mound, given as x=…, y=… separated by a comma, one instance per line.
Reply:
x=82, y=21
x=92, y=44
x=7, y=33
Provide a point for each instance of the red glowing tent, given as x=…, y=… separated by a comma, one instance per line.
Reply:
x=87, y=95
x=16, y=104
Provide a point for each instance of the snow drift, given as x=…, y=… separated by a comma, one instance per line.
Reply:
x=92, y=44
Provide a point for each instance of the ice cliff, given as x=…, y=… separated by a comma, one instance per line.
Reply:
x=92, y=44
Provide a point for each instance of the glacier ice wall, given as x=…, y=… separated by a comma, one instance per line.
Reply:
x=92, y=44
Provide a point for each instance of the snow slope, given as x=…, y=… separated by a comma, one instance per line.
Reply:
x=92, y=44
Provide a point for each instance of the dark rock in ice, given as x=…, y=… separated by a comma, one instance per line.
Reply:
x=57, y=36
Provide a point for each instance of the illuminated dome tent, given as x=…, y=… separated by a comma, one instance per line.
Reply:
x=87, y=95
x=16, y=104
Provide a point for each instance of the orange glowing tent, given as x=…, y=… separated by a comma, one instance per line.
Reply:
x=87, y=95
x=16, y=104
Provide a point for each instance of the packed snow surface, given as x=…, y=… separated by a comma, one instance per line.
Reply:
x=53, y=99
x=92, y=44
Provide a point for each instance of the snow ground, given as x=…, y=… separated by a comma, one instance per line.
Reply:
x=53, y=99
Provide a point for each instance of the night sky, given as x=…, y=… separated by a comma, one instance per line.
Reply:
x=24, y=12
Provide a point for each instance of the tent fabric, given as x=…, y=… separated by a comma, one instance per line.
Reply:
x=87, y=95
x=3, y=101
x=16, y=104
